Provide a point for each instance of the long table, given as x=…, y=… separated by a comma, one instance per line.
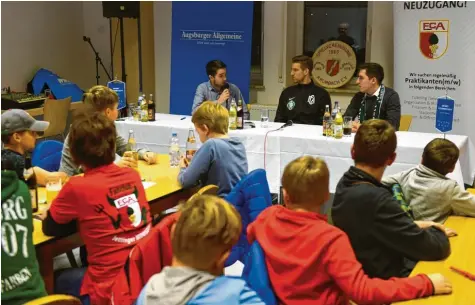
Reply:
x=273, y=150
x=164, y=194
x=462, y=257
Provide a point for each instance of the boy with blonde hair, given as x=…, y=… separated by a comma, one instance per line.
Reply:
x=221, y=160
x=311, y=261
x=202, y=238
x=105, y=100
x=428, y=192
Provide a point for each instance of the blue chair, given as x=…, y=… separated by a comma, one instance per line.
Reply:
x=47, y=155
x=250, y=197
x=256, y=275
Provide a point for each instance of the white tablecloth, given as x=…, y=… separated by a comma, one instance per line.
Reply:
x=285, y=145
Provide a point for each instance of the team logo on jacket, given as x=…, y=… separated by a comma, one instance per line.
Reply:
x=311, y=99
x=433, y=38
x=291, y=103
x=334, y=64
x=126, y=210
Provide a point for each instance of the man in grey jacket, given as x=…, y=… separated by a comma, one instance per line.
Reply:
x=428, y=192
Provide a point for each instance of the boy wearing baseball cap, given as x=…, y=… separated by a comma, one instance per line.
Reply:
x=19, y=133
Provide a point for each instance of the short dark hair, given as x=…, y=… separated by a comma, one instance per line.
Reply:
x=373, y=70
x=6, y=138
x=375, y=142
x=92, y=139
x=440, y=155
x=213, y=66
x=305, y=62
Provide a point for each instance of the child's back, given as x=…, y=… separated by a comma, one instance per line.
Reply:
x=427, y=190
x=184, y=285
x=221, y=162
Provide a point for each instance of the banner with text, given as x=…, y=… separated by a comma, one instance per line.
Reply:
x=434, y=56
x=204, y=31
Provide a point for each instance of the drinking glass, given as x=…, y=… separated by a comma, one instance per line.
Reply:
x=53, y=186
x=347, y=125
x=264, y=118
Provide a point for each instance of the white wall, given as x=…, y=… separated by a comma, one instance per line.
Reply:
x=97, y=28
x=162, y=11
x=44, y=35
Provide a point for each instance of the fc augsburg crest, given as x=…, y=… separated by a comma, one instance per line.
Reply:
x=291, y=103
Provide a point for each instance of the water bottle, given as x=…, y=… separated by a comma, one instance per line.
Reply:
x=174, y=150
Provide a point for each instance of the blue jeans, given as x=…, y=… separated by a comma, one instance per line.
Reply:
x=69, y=281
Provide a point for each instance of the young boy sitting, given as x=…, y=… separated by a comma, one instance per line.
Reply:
x=21, y=278
x=310, y=261
x=387, y=242
x=108, y=204
x=221, y=160
x=427, y=190
x=104, y=100
x=19, y=133
x=202, y=238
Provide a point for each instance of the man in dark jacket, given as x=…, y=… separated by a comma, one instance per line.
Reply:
x=303, y=103
x=387, y=242
x=374, y=101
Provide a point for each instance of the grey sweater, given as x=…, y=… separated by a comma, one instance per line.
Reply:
x=68, y=165
x=431, y=195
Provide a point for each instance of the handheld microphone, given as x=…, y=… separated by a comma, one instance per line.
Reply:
x=226, y=86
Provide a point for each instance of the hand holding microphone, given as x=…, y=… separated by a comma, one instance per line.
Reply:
x=225, y=94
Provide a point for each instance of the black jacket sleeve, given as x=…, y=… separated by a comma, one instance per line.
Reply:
x=354, y=106
x=397, y=231
x=324, y=100
x=393, y=110
x=280, y=116
x=52, y=228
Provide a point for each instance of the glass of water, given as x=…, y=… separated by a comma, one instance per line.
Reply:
x=264, y=118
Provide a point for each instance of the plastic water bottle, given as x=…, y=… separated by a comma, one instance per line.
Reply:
x=174, y=150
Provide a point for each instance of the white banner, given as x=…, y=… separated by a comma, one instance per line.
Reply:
x=434, y=55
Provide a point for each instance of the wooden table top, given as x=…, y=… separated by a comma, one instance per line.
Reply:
x=166, y=183
x=462, y=257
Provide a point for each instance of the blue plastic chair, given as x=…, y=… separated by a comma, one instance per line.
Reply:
x=47, y=155
x=256, y=275
x=250, y=197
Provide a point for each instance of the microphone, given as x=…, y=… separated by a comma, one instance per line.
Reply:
x=85, y=38
x=226, y=86
x=289, y=123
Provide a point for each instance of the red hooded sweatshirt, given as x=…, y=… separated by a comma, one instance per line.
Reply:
x=311, y=262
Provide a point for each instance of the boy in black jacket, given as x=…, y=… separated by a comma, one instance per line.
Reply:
x=387, y=242
x=303, y=103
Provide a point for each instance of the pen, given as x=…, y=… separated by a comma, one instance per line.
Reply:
x=183, y=118
x=463, y=273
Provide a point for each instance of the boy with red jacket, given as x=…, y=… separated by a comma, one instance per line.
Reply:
x=109, y=205
x=311, y=261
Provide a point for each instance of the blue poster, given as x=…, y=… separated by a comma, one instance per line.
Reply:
x=444, y=115
x=119, y=88
x=204, y=31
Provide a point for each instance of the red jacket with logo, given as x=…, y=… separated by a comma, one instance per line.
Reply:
x=112, y=212
x=311, y=262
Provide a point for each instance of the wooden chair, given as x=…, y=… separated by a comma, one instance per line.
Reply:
x=55, y=299
x=205, y=190
x=56, y=113
x=405, y=123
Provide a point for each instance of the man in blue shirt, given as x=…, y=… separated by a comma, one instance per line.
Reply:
x=217, y=89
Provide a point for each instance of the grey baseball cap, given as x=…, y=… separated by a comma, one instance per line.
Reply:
x=15, y=120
